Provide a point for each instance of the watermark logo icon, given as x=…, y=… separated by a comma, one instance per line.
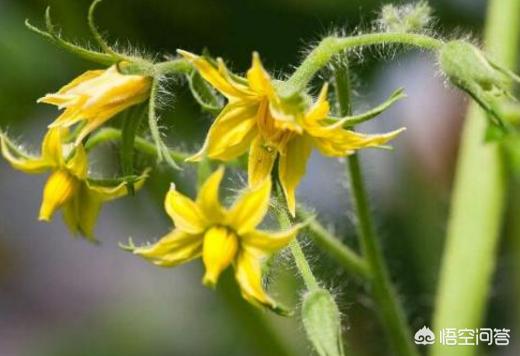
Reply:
x=424, y=336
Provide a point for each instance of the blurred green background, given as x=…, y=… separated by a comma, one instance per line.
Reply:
x=60, y=296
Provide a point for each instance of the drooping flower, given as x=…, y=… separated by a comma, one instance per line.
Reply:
x=96, y=96
x=258, y=121
x=222, y=236
x=68, y=186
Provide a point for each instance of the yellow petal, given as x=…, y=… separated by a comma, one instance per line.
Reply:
x=78, y=164
x=219, y=250
x=52, y=145
x=173, y=249
x=216, y=78
x=81, y=212
x=248, y=273
x=340, y=142
x=320, y=109
x=261, y=161
x=185, y=213
x=70, y=116
x=62, y=98
x=59, y=189
x=292, y=166
x=23, y=163
x=250, y=208
x=269, y=241
x=96, y=98
x=231, y=133
x=88, y=75
x=106, y=193
x=258, y=78
x=208, y=197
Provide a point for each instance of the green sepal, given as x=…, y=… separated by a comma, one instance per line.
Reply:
x=97, y=35
x=353, y=120
x=207, y=56
x=205, y=96
x=163, y=152
x=16, y=149
x=113, y=182
x=131, y=123
x=52, y=35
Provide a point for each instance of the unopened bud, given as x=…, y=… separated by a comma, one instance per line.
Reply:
x=322, y=322
x=468, y=68
x=406, y=18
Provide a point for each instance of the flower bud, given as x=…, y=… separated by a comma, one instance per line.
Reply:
x=406, y=18
x=468, y=68
x=322, y=322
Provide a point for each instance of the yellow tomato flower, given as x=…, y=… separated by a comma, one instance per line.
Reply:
x=257, y=120
x=68, y=185
x=96, y=96
x=222, y=236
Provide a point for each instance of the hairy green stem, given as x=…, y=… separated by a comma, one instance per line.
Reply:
x=175, y=66
x=141, y=144
x=320, y=56
x=391, y=311
x=477, y=201
x=347, y=258
x=299, y=257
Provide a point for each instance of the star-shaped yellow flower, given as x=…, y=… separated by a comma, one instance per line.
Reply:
x=223, y=236
x=68, y=186
x=257, y=120
x=96, y=96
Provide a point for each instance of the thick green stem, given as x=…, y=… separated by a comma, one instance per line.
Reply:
x=141, y=144
x=320, y=56
x=347, y=258
x=477, y=200
x=391, y=312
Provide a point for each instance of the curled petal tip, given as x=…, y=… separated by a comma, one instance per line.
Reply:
x=209, y=281
x=44, y=218
x=187, y=55
x=398, y=131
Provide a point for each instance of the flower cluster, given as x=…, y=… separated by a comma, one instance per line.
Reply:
x=277, y=133
x=258, y=121
x=90, y=100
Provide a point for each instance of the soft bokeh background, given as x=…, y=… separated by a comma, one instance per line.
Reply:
x=60, y=296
